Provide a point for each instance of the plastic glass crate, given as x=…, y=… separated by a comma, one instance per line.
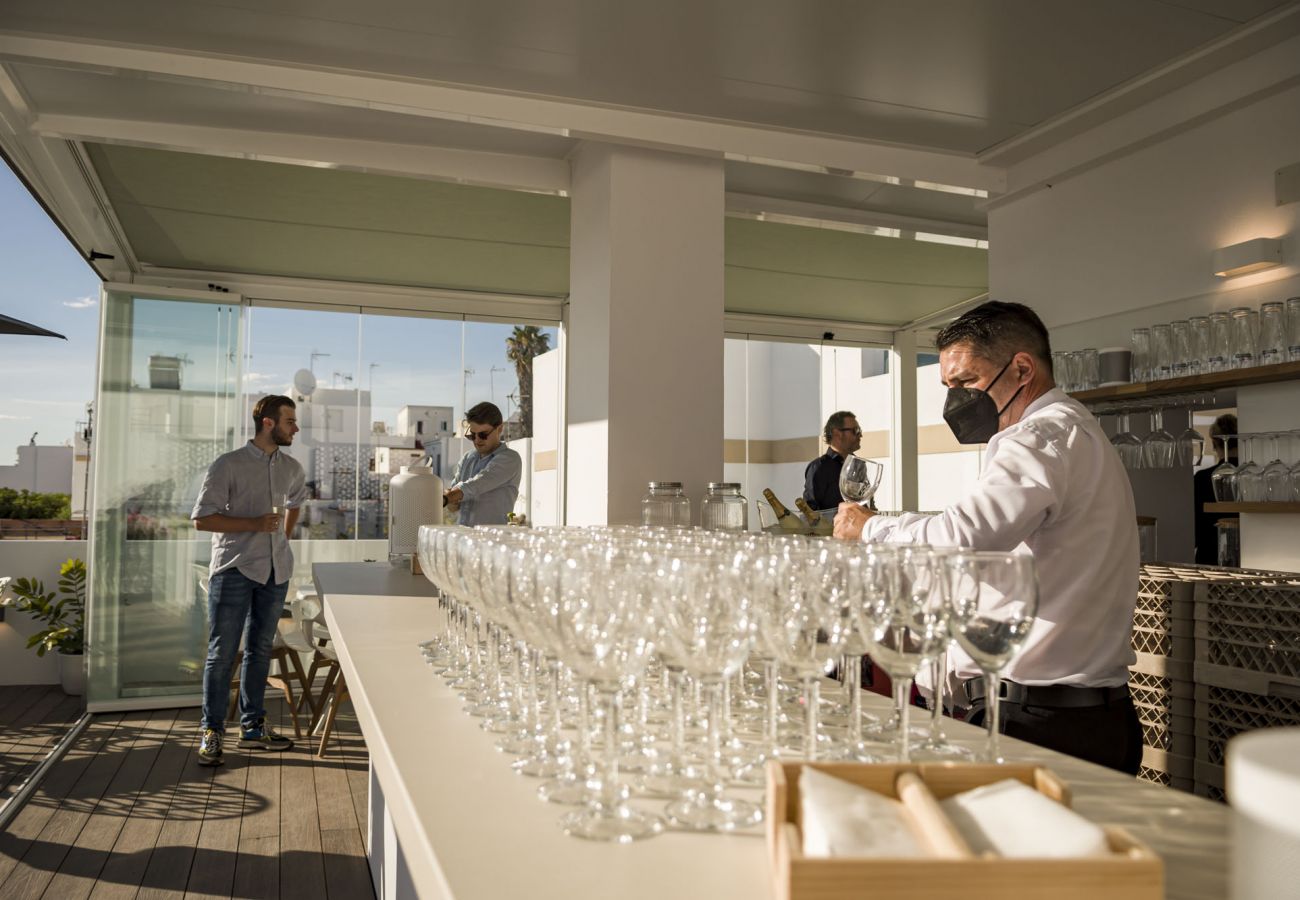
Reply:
x=1166, y=708
x=1253, y=626
x=1222, y=713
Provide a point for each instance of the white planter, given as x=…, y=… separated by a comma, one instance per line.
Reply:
x=72, y=673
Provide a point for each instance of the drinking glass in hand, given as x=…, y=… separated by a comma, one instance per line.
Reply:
x=859, y=478
x=994, y=600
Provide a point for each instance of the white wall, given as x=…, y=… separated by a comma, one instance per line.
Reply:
x=1126, y=239
x=30, y=559
x=40, y=469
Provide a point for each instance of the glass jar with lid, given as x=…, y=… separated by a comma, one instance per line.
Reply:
x=666, y=505
x=724, y=508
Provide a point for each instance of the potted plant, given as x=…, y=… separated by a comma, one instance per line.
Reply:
x=64, y=615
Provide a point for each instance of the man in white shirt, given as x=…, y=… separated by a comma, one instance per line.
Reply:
x=1051, y=486
x=485, y=483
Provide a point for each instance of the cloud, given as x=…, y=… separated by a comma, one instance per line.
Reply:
x=81, y=302
x=254, y=380
x=7, y=418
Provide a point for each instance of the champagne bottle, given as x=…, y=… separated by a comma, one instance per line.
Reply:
x=786, y=520
x=820, y=524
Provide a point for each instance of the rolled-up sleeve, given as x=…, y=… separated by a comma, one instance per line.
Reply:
x=297, y=490
x=214, y=494
x=501, y=469
x=1015, y=494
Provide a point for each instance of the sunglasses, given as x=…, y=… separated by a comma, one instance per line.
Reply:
x=479, y=435
x=857, y=431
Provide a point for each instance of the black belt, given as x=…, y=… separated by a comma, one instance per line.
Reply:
x=1058, y=696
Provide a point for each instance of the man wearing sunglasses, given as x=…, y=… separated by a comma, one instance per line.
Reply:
x=821, y=479
x=485, y=483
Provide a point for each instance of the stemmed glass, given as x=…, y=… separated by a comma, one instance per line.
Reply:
x=1250, y=475
x=1224, y=479
x=936, y=745
x=708, y=620
x=1189, y=446
x=604, y=618
x=859, y=479
x=994, y=603
x=1158, y=446
x=1276, y=474
x=1127, y=444
x=903, y=619
x=1295, y=467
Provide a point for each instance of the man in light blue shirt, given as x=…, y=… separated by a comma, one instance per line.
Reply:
x=485, y=483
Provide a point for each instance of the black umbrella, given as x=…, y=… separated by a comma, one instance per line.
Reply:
x=10, y=325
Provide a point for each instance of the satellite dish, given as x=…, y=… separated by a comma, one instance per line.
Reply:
x=304, y=382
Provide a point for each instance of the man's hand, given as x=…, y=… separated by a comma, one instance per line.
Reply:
x=453, y=496
x=271, y=522
x=850, y=520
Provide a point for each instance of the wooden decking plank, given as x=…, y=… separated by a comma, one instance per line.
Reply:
x=302, y=871
x=25, y=828
x=257, y=870
x=25, y=696
x=81, y=868
x=12, y=694
x=347, y=872
x=168, y=869
x=213, y=872
x=43, y=857
x=32, y=743
x=124, y=870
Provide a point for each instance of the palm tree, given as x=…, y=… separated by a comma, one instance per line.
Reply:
x=525, y=342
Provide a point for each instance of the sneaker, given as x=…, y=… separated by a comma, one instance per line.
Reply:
x=261, y=737
x=210, y=748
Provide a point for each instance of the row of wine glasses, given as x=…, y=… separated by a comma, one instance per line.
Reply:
x=1237, y=339
x=1266, y=468
x=1158, y=449
x=623, y=665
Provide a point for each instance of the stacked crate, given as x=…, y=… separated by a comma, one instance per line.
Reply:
x=1161, y=679
x=1247, y=668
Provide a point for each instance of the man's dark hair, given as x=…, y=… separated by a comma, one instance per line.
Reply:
x=836, y=420
x=484, y=414
x=269, y=408
x=1224, y=424
x=997, y=331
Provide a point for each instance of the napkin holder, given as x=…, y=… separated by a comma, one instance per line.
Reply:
x=1132, y=871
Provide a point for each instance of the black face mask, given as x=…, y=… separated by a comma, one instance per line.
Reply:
x=971, y=413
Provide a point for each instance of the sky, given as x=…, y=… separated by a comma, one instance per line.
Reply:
x=45, y=383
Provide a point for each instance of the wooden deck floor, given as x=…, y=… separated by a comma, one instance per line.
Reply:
x=33, y=718
x=128, y=813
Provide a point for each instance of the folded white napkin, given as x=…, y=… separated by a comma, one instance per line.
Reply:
x=1013, y=820
x=842, y=819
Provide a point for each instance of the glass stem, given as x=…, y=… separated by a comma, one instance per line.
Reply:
x=853, y=678
x=938, y=671
x=679, y=719
x=992, y=703
x=609, y=798
x=902, y=703
x=811, y=699
x=773, y=705
x=714, y=694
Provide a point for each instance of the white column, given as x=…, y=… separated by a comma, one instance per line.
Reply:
x=644, y=386
x=902, y=435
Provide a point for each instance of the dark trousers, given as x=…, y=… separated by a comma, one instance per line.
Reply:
x=239, y=607
x=1109, y=735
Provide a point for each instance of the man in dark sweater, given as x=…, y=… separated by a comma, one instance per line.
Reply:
x=1207, y=534
x=821, y=479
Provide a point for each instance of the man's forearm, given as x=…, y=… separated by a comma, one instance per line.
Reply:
x=291, y=521
x=222, y=523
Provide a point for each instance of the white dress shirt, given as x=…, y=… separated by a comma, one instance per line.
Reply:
x=490, y=484
x=1053, y=487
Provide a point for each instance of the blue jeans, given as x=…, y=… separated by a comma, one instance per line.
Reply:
x=239, y=606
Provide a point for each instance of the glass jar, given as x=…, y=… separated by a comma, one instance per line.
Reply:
x=724, y=508
x=1229, y=532
x=1148, y=548
x=666, y=505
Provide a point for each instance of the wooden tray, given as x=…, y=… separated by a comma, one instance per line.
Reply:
x=1134, y=872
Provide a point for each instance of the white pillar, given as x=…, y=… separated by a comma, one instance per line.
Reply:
x=645, y=328
x=902, y=435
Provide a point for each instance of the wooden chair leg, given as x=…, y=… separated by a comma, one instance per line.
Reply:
x=313, y=701
x=286, y=686
x=304, y=684
x=325, y=691
x=340, y=694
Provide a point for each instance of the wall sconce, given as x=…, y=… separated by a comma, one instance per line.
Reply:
x=1251, y=256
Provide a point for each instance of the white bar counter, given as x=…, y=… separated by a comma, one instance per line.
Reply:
x=451, y=820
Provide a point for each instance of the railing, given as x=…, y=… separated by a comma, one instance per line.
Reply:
x=42, y=529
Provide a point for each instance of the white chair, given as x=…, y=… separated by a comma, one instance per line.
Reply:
x=335, y=690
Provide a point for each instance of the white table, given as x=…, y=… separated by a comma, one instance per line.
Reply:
x=451, y=820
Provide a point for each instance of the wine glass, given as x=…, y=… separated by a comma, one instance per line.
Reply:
x=1276, y=474
x=994, y=601
x=1224, y=478
x=1127, y=444
x=1158, y=446
x=1250, y=474
x=859, y=479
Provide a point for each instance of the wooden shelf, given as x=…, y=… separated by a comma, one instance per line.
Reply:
x=1292, y=508
x=1211, y=381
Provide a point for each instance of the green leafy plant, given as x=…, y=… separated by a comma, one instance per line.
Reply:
x=63, y=612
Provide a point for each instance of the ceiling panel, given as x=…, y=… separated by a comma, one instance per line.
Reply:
x=947, y=74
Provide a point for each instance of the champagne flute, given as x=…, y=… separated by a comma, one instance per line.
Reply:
x=994, y=601
x=859, y=479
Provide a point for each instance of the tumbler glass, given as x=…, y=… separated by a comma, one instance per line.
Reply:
x=1141, y=342
x=1199, y=361
x=1245, y=337
x=1219, y=354
x=1272, y=334
x=1182, y=347
x=1293, y=329
x=1162, y=352
x=1089, y=370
